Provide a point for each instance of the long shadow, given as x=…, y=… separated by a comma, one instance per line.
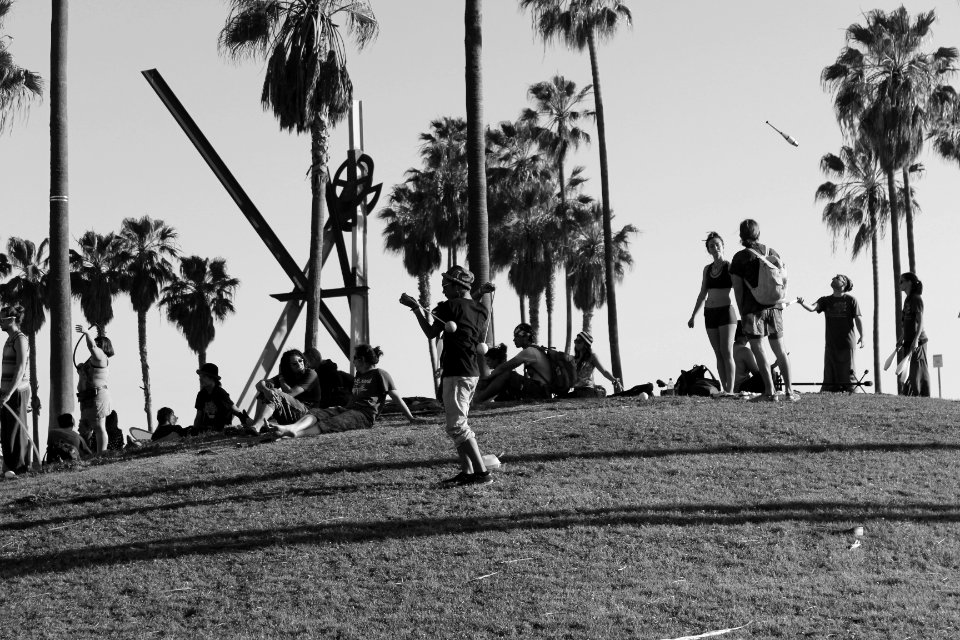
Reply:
x=381, y=530
x=31, y=502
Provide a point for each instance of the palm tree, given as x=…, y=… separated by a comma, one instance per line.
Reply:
x=18, y=86
x=588, y=272
x=61, y=356
x=556, y=119
x=478, y=247
x=410, y=234
x=306, y=85
x=582, y=24
x=201, y=297
x=857, y=205
x=883, y=85
x=96, y=276
x=147, y=247
x=28, y=288
x=442, y=184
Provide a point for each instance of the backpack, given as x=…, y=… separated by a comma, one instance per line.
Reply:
x=563, y=370
x=771, y=286
x=696, y=383
x=62, y=451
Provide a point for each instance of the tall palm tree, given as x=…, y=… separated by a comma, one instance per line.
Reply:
x=147, y=247
x=61, y=356
x=583, y=24
x=96, y=276
x=588, y=258
x=306, y=85
x=18, y=86
x=857, y=204
x=28, y=288
x=442, y=183
x=478, y=246
x=200, y=298
x=409, y=233
x=556, y=116
x=883, y=85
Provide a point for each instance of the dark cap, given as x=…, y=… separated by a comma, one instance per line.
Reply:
x=459, y=276
x=210, y=369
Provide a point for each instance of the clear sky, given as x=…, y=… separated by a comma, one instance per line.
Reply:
x=687, y=91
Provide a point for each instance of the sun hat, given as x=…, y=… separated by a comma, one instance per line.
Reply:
x=459, y=276
x=210, y=369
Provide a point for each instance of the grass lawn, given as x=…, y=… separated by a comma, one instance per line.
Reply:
x=610, y=519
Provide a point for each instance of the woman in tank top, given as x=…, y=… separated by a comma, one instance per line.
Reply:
x=719, y=318
x=92, y=390
x=14, y=394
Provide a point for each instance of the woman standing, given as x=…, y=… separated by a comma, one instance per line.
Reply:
x=913, y=341
x=14, y=393
x=719, y=317
x=92, y=391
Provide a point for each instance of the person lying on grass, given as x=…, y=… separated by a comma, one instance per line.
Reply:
x=371, y=386
x=504, y=383
x=285, y=397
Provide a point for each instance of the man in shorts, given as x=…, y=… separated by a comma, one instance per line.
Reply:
x=760, y=321
x=504, y=383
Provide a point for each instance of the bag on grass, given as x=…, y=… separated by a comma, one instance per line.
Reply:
x=696, y=383
x=771, y=286
x=563, y=370
x=62, y=451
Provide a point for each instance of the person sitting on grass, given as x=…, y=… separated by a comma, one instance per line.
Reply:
x=215, y=408
x=167, y=427
x=587, y=362
x=371, y=386
x=333, y=385
x=286, y=397
x=503, y=383
x=64, y=443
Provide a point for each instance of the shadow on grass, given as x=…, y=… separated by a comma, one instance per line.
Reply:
x=43, y=502
x=373, y=531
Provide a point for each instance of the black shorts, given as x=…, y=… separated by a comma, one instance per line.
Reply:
x=716, y=317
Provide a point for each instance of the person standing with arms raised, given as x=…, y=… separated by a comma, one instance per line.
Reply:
x=461, y=370
x=759, y=320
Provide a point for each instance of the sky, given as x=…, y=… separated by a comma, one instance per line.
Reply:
x=687, y=90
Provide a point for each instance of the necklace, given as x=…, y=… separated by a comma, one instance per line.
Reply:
x=716, y=269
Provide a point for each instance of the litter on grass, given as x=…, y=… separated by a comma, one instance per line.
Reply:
x=709, y=634
x=484, y=577
x=855, y=545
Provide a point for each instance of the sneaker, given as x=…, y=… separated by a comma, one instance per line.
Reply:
x=477, y=478
x=765, y=397
x=9, y=475
x=793, y=396
x=231, y=430
x=461, y=478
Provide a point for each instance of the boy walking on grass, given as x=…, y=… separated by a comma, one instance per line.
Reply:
x=459, y=364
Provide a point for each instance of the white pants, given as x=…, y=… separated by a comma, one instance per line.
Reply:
x=457, y=394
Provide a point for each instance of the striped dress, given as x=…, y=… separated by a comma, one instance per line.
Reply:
x=14, y=437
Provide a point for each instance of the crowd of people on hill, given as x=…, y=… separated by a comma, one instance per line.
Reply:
x=310, y=395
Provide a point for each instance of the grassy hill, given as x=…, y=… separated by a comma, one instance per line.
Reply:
x=610, y=519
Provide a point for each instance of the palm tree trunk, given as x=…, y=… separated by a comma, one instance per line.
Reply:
x=61, y=369
x=588, y=320
x=535, y=312
x=478, y=250
x=423, y=284
x=874, y=257
x=202, y=358
x=607, y=225
x=145, y=367
x=895, y=241
x=550, y=297
x=567, y=287
x=523, y=308
x=908, y=210
x=320, y=142
x=34, y=388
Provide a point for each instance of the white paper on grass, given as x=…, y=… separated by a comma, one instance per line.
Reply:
x=709, y=634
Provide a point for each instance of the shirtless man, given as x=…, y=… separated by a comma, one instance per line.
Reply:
x=504, y=383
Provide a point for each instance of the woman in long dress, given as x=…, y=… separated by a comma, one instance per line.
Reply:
x=719, y=318
x=913, y=341
x=14, y=393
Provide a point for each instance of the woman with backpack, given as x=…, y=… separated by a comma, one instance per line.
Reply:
x=913, y=340
x=719, y=318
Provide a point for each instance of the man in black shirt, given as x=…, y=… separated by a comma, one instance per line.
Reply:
x=468, y=318
x=760, y=321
